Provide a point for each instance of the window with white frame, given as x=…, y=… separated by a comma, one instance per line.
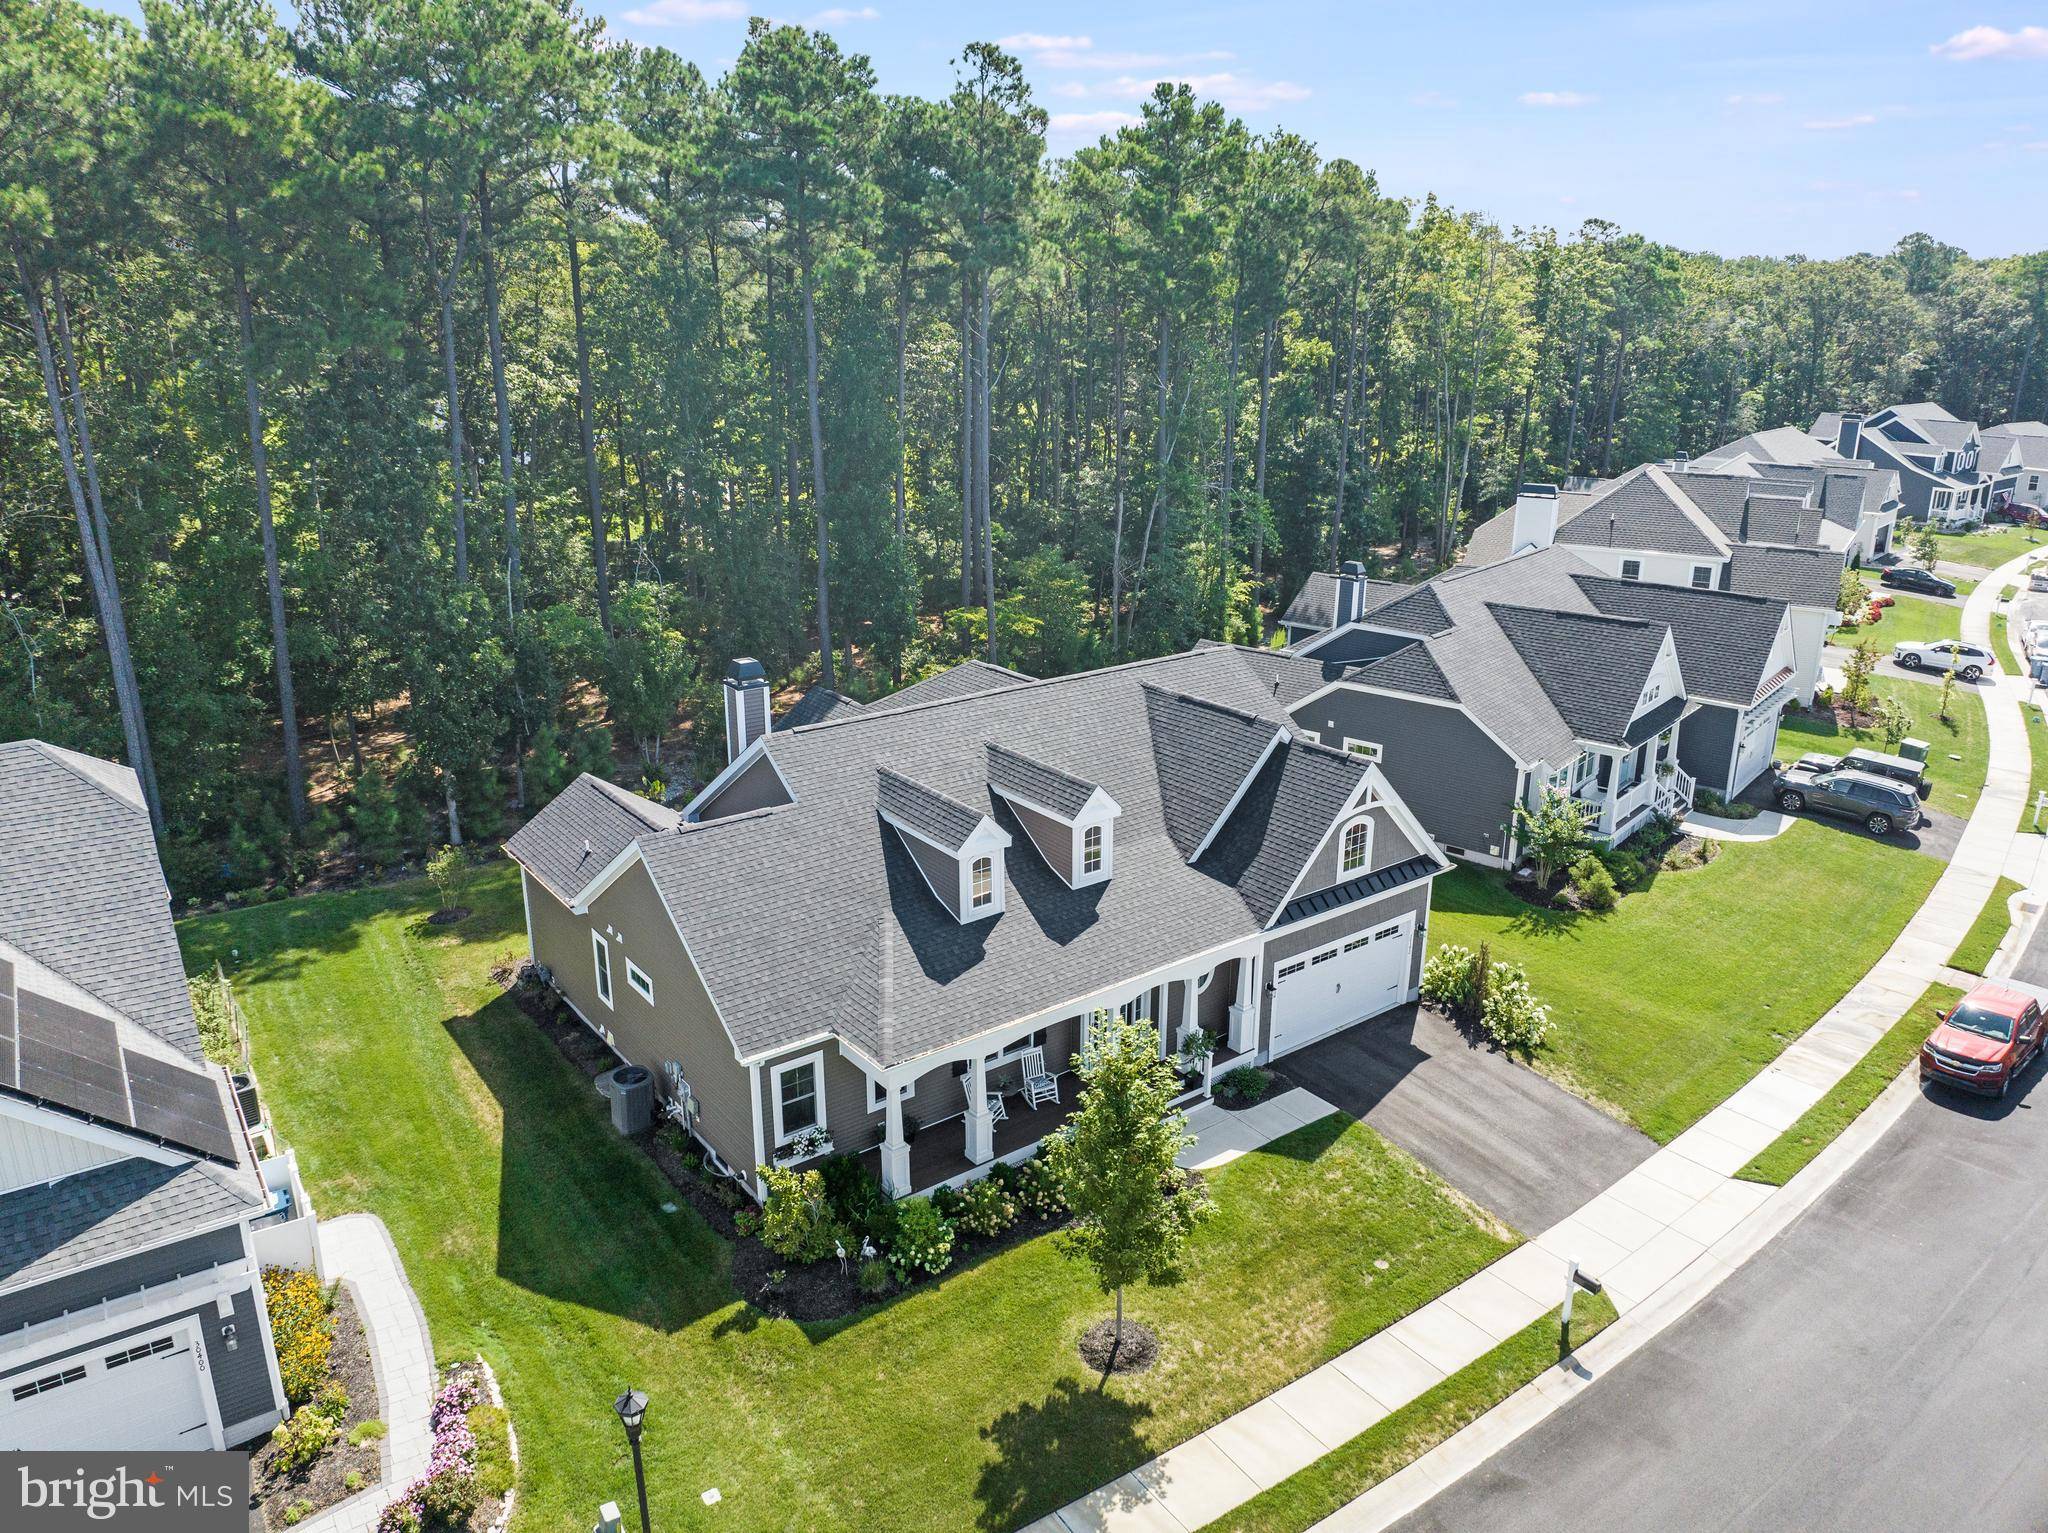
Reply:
x=1631, y=569
x=1091, y=849
x=601, y=957
x=799, y=1097
x=1369, y=749
x=1357, y=845
x=1702, y=577
x=637, y=978
x=983, y=880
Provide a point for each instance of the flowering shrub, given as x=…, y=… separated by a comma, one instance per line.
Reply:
x=1038, y=1190
x=301, y=1329
x=1447, y=977
x=1512, y=1017
x=923, y=1241
x=795, y=1221
x=986, y=1208
x=302, y=1440
x=446, y=1494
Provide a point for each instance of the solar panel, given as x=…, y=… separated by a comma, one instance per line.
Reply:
x=72, y=1058
x=180, y=1106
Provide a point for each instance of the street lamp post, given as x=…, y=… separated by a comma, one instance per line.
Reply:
x=632, y=1409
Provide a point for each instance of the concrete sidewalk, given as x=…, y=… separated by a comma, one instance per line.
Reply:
x=1660, y=1238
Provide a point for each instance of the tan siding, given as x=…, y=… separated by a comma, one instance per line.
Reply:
x=682, y=1023
x=941, y=869
x=852, y=1125
x=1307, y=935
x=758, y=787
x=1053, y=838
x=1212, y=1006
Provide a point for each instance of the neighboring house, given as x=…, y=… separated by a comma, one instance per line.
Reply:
x=864, y=927
x=1482, y=687
x=1859, y=501
x=1705, y=530
x=2015, y=461
x=131, y=1306
x=1316, y=607
x=1934, y=454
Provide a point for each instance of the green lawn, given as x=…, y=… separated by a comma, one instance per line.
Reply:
x=2037, y=747
x=1963, y=736
x=2001, y=646
x=1671, y=1001
x=1987, y=931
x=1910, y=619
x=1343, y=1474
x=411, y=1088
x=1820, y=1125
x=1987, y=549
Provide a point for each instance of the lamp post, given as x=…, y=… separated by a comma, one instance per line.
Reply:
x=632, y=1409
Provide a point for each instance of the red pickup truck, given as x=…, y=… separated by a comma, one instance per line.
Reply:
x=1992, y=1035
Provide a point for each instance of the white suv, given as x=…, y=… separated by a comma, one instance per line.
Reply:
x=1969, y=661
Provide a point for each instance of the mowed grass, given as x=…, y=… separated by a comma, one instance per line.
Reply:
x=1668, y=1003
x=533, y=1235
x=1958, y=747
x=1909, y=619
x=1987, y=931
x=1987, y=549
x=1821, y=1124
x=2037, y=746
x=1403, y=1436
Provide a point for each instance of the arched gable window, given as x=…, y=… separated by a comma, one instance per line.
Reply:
x=1357, y=845
x=1091, y=849
x=984, y=882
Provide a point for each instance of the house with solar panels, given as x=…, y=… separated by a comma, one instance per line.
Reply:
x=134, y=1213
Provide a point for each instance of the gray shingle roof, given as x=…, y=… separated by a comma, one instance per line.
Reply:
x=1782, y=444
x=1591, y=667
x=1723, y=640
x=932, y=814
x=1411, y=669
x=1280, y=822
x=1315, y=604
x=1203, y=752
x=818, y=705
x=1061, y=792
x=966, y=679
x=1808, y=577
x=1418, y=610
x=585, y=826
x=80, y=888
x=1645, y=509
x=110, y=1211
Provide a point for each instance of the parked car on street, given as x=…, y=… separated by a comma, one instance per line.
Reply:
x=2033, y=636
x=1969, y=661
x=2038, y=581
x=1900, y=769
x=1879, y=804
x=1992, y=1035
x=1910, y=577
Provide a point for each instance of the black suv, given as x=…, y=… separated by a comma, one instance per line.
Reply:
x=1882, y=806
x=1906, y=577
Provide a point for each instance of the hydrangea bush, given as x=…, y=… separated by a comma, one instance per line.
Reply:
x=923, y=1241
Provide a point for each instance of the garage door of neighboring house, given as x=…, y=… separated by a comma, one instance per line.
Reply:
x=1755, y=737
x=142, y=1392
x=1327, y=988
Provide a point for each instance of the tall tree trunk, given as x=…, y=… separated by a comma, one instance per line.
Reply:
x=457, y=458
x=902, y=388
x=1259, y=452
x=1614, y=401
x=259, y=463
x=969, y=563
x=1119, y=470
x=825, y=672
x=495, y=331
x=583, y=409
x=1344, y=428
x=981, y=466
x=1228, y=553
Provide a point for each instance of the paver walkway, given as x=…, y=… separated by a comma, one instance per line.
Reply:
x=1221, y=1134
x=1681, y=1207
x=357, y=1249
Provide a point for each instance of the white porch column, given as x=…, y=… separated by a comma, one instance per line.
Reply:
x=895, y=1149
x=981, y=1128
x=1244, y=1011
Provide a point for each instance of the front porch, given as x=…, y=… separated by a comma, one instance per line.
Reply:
x=1629, y=788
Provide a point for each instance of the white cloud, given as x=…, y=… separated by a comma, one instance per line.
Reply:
x=1067, y=88
x=1555, y=98
x=2036, y=148
x=1072, y=125
x=1040, y=42
x=1975, y=43
x=685, y=13
x=1078, y=52
x=1841, y=124
x=1908, y=194
x=839, y=16
x=1432, y=101
x=1756, y=98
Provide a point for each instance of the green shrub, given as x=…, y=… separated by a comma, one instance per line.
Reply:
x=923, y=1241
x=796, y=1222
x=492, y=1429
x=1512, y=1017
x=1447, y=978
x=1625, y=868
x=366, y=1432
x=300, y=1328
x=352, y=1480
x=447, y=1499
x=302, y=1440
x=1247, y=1083
x=297, y=1512
x=856, y=1198
x=1592, y=883
x=1038, y=1189
x=874, y=1276
x=985, y=1208
x=331, y=1402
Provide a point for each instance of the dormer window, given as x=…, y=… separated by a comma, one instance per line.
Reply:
x=1357, y=846
x=958, y=851
x=1069, y=820
x=984, y=883
x=1091, y=850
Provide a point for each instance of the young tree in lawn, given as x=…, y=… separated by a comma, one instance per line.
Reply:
x=1948, y=693
x=1554, y=833
x=1134, y=1209
x=1891, y=721
x=1925, y=548
x=1852, y=595
x=1856, y=673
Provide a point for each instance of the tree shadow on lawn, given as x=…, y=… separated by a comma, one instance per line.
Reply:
x=1472, y=893
x=579, y=1209
x=1066, y=1445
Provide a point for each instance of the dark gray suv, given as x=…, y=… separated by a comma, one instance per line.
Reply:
x=1881, y=805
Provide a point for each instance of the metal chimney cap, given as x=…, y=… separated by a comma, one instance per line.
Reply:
x=1353, y=568
x=1545, y=491
x=745, y=668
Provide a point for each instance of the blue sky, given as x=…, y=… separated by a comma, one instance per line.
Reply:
x=1742, y=126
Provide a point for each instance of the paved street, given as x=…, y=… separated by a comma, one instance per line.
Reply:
x=1882, y=1365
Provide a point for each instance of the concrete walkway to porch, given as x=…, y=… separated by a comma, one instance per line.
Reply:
x=1660, y=1238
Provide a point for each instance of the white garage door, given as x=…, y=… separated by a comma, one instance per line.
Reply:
x=1756, y=734
x=1320, y=991
x=141, y=1392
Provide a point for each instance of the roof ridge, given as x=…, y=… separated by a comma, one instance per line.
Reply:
x=69, y=761
x=1204, y=702
x=630, y=801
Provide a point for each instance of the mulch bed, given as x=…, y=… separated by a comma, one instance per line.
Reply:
x=323, y=1482
x=449, y=916
x=1678, y=854
x=816, y=1292
x=1102, y=1351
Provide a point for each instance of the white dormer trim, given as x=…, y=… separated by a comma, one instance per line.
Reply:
x=1373, y=792
x=1097, y=813
x=987, y=839
x=1665, y=680
x=1237, y=798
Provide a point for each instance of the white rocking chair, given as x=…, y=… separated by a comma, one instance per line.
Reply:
x=1039, y=1086
x=997, y=1113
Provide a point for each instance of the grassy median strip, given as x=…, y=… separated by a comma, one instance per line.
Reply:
x=1987, y=931
x=1820, y=1124
x=1397, y=1440
x=2037, y=748
x=2002, y=646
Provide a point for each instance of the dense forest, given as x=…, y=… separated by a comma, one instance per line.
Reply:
x=404, y=410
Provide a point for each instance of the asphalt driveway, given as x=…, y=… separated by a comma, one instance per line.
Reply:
x=1517, y=1145
x=1935, y=836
